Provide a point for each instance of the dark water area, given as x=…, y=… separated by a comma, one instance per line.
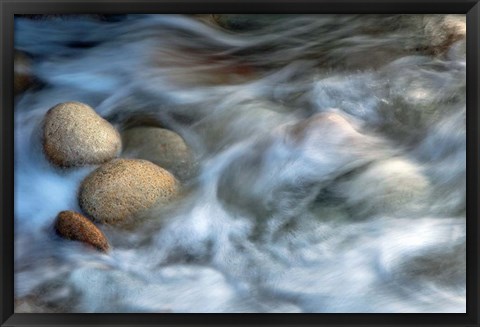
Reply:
x=330, y=167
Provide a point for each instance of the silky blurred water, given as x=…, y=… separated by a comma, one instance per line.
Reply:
x=331, y=164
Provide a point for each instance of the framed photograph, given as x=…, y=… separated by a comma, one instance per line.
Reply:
x=239, y=163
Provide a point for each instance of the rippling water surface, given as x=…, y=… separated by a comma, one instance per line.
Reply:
x=331, y=163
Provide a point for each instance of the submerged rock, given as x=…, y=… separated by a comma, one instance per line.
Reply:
x=165, y=148
x=386, y=186
x=23, y=78
x=228, y=126
x=284, y=172
x=119, y=191
x=76, y=227
x=74, y=135
x=439, y=266
x=443, y=30
x=32, y=304
x=247, y=22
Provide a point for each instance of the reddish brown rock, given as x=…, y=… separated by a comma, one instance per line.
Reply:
x=76, y=227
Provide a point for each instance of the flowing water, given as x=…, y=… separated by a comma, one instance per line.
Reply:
x=330, y=158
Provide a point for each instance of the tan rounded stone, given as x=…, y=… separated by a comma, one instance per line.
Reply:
x=165, y=148
x=119, y=191
x=76, y=227
x=74, y=135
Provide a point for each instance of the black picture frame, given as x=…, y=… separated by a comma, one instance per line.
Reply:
x=11, y=7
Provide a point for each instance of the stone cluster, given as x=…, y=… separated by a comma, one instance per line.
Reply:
x=119, y=190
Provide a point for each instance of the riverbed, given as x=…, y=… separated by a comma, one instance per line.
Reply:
x=330, y=167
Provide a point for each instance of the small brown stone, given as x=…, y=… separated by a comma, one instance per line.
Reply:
x=119, y=191
x=75, y=135
x=76, y=227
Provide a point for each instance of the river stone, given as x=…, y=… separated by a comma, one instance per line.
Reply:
x=233, y=124
x=74, y=135
x=118, y=192
x=74, y=226
x=391, y=185
x=164, y=148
